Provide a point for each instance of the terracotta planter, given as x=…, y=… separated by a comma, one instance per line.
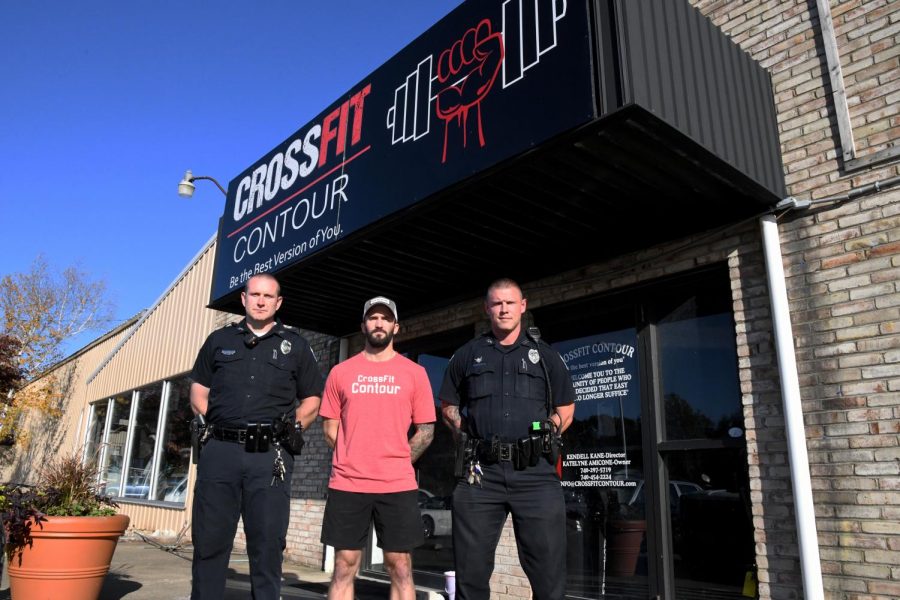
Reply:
x=625, y=538
x=69, y=558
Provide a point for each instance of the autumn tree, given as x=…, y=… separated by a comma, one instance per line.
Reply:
x=40, y=310
x=10, y=379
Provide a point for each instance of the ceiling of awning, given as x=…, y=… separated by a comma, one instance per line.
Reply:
x=624, y=182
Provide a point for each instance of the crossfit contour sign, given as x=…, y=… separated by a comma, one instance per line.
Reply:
x=489, y=81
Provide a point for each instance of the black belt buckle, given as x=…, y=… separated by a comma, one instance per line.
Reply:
x=505, y=453
x=240, y=436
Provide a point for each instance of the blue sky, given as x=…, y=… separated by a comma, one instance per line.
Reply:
x=104, y=105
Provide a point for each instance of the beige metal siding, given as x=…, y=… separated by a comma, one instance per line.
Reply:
x=162, y=521
x=165, y=344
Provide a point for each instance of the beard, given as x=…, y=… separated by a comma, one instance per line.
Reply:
x=379, y=342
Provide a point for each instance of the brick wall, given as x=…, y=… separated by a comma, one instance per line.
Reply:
x=841, y=263
x=785, y=37
x=843, y=268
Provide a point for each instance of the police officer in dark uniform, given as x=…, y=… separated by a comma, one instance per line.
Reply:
x=247, y=381
x=507, y=396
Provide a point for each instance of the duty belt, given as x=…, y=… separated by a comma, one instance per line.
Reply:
x=228, y=434
x=492, y=452
x=523, y=453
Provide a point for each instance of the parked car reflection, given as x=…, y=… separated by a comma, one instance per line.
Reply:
x=677, y=489
x=436, y=515
x=176, y=490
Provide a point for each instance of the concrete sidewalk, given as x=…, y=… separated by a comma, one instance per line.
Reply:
x=143, y=571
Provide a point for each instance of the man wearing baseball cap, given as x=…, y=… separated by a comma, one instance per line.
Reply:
x=369, y=403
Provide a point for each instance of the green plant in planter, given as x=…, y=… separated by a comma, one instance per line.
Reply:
x=66, y=487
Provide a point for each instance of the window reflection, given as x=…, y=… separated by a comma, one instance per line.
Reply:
x=708, y=487
x=93, y=444
x=111, y=474
x=143, y=441
x=712, y=524
x=176, y=445
x=699, y=374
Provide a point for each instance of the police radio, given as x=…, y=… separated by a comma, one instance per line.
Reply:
x=551, y=440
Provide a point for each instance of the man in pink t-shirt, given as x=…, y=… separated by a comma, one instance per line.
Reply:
x=369, y=403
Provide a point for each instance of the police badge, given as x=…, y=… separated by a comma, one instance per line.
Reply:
x=285, y=346
x=534, y=356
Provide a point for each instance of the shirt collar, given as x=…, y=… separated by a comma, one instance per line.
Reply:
x=277, y=329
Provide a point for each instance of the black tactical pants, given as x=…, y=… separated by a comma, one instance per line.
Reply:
x=233, y=483
x=535, y=499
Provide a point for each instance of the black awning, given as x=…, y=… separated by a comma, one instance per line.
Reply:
x=625, y=182
x=612, y=126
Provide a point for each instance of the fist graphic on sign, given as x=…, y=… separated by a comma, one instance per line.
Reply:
x=470, y=66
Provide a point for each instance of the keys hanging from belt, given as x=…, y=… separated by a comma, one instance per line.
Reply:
x=277, y=467
x=475, y=473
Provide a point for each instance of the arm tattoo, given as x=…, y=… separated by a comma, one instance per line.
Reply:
x=420, y=440
x=452, y=418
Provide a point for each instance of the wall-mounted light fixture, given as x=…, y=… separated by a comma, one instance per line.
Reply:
x=186, y=186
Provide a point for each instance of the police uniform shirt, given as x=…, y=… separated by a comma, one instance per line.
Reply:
x=255, y=379
x=503, y=388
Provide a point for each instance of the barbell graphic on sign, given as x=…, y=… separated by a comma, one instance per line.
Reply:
x=528, y=31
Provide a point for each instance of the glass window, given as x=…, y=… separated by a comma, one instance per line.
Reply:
x=175, y=457
x=704, y=450
x=712, y=523
x=111, y=473
x=93, y=445
x=143, y=442
x=698, y=360
x=603, y=468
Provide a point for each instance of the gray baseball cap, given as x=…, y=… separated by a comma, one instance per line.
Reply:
x=380, y=301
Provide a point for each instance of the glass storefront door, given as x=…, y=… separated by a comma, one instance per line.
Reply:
x=655, y=473
x=702, y=447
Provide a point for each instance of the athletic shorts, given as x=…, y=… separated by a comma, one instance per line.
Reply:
x=398, y=522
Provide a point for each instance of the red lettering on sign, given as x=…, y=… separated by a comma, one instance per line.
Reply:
x=357, y=102
x=471, y=64
x=339, y=134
